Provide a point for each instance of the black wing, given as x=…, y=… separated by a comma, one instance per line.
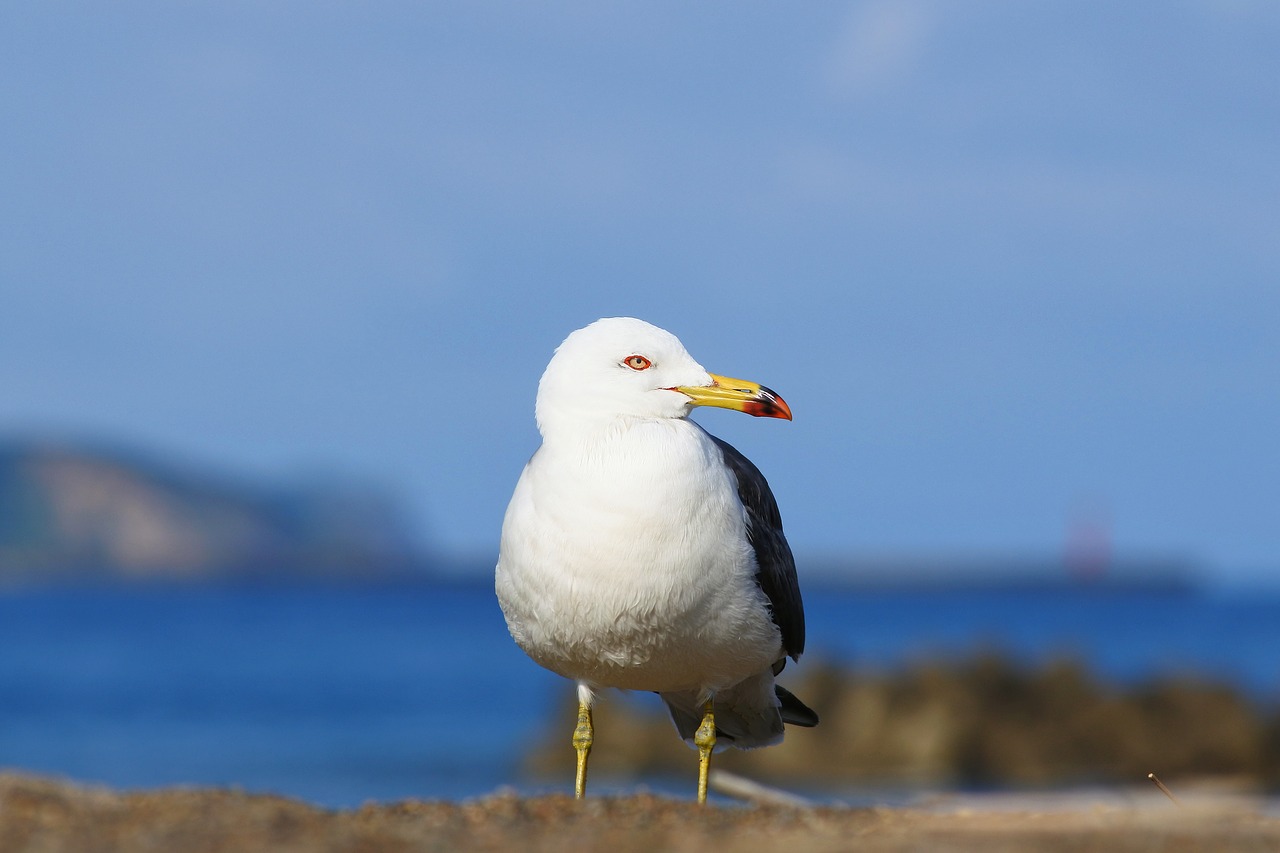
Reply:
x=776, y=574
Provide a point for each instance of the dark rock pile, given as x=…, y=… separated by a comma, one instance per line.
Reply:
x=982, y=722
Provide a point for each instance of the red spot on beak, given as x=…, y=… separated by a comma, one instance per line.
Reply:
x=768, y=405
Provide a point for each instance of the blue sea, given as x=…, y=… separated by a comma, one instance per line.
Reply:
x=345, y=694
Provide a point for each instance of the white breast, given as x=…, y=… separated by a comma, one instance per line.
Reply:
x=625, y=563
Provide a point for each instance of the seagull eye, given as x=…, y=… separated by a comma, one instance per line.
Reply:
x=638, y=362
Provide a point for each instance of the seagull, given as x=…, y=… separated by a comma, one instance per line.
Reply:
x=641, y=552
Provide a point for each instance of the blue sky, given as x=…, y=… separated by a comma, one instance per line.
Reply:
x=1012, y=265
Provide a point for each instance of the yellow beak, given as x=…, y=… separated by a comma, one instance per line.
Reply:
x=741, y=395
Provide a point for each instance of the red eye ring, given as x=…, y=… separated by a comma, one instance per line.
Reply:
x=637, y=362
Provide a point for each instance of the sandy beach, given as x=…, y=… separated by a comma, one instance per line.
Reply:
x=42, y=815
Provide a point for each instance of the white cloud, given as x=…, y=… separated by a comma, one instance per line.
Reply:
x=879, y=46
x=1241, y=10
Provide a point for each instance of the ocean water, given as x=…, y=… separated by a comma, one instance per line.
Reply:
x=345, y=694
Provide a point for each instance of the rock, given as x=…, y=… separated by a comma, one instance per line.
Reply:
x=982, y=722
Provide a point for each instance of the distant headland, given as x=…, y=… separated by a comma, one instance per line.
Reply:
x=75, y=511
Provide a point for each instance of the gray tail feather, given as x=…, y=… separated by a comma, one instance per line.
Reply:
x=748, y=715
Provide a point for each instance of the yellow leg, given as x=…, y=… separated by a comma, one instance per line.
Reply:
x=705, y=739
x=583, y=734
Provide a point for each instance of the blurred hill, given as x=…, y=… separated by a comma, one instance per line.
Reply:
x=75, y=511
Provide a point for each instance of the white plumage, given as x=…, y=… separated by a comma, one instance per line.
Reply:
x=627, y=557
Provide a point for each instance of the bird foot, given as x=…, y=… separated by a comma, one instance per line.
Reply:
x=583, y=735
x=705, y=740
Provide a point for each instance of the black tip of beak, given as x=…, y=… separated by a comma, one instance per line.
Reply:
x=767, y=404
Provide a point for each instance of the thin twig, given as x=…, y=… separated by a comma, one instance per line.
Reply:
x=1154, y=778
x=742, y=788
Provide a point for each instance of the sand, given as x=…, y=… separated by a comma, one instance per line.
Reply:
x=51, y=816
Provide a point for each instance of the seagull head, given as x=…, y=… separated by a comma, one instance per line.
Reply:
x=623, y=367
